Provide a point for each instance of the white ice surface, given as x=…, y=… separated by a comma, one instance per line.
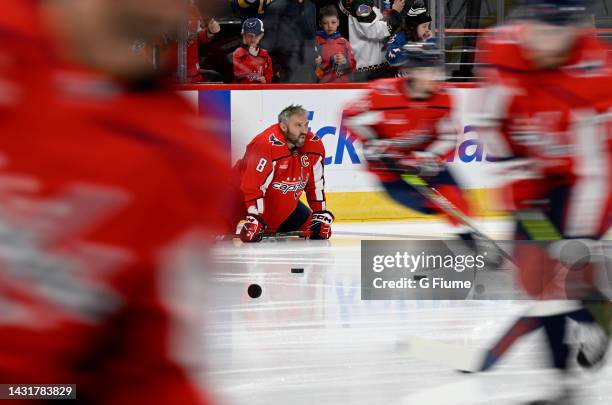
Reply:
x=310, y=339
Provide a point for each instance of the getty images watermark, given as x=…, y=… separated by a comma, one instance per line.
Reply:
x=427, y=269
x=456, y=270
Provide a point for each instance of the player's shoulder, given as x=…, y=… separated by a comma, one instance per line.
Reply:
x=19, y=19
x=594, y=55
x=165, y=119
x=387, y=87
x=502, y=47
x=263, y=53
x=387, y=93
x=313, y=144
x=270, y=140
x=168, y=109
x=378, y=95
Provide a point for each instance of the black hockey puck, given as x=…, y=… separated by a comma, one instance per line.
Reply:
x=254, y=291
x=297, y=270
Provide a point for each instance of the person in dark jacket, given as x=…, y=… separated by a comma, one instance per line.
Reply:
x=291, y=43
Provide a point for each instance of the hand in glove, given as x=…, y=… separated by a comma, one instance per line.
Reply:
x=321, y=225
x=253, y=229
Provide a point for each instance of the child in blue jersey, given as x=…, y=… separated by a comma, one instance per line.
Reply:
x=416, y=29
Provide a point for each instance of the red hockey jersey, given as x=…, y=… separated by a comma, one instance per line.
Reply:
x=22, y=51
x=385, y=112
x=558, y=121
x=249, y=68
x=329, y=46
x=103, y=192
x=273, y=178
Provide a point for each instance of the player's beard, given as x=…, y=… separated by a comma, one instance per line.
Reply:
x=295, y=140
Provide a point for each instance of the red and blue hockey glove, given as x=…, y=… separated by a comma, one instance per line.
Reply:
x=253, y=229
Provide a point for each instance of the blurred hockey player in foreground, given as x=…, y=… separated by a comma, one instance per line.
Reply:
x=105, y=206
x=546, y=115
x=406, y=128
x=278, y=166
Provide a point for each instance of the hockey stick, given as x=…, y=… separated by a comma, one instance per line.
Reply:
x=449, y=208
x=470, y=360
x=473, y=360
x=299, y=234
x=410, y=173
x=463, y=358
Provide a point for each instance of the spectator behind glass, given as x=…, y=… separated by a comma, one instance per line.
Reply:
x=416, y=28
x=368, y=34
x=335, y=60
x=291, y=42
x=245, y=9
x=252, y=64
x=200, y=30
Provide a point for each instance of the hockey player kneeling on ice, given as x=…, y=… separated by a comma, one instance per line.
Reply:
x=405, y=126
x=279, y=165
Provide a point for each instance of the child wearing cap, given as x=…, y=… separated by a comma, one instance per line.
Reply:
x=335, y=59
x=252, y=64
x=416, y=28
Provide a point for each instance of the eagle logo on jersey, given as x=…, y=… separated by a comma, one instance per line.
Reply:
x=274, y=141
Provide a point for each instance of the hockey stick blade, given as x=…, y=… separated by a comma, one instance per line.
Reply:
x=298, y=234
x=448, y=355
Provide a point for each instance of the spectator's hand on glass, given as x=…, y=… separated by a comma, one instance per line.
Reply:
x=253, y=50
x=262, y=80
x=398, y=5
x=340, y=59
x=319, y=60
x=213, y=26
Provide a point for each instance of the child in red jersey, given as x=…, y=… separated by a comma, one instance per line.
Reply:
x=335, y=60
x=252, y=64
